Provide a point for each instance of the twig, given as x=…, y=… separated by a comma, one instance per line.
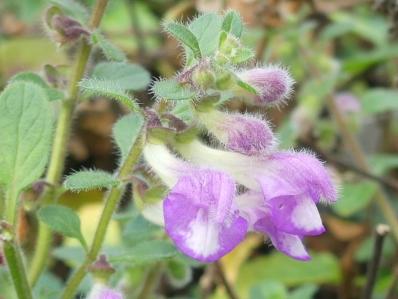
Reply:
x=151, y=279
x=394, y=286
x=228, y=288
x=381, y=232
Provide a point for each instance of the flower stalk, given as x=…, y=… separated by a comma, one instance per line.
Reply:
x=111, y=203
x=58, y=153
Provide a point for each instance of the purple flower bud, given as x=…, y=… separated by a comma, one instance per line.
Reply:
x=67, y=29
x=242, y=133
x=101, y=291
x=272, y=83
x=347, y=102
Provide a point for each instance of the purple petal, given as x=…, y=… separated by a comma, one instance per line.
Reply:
x=295, y=215
x=296, y=173
x=289, y=244
x=200, y=216
x=100, y=291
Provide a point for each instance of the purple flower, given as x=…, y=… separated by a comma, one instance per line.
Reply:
x=242, y=133
x=285, y=187
x=347, y=102
x=200, y=214
x=101, y=291
x=273, y=84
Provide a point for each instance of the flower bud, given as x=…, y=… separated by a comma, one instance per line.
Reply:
x=273, y=85
x=101, y=269
x=229, y=45
x=347, y=102
x=66, y=29
x=101, y=291
x=204, y=78
x=243, y=133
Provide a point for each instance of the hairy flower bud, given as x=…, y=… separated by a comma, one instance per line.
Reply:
x=203, y=77
x=243, y=133
x=273, y=84
x=67, y=29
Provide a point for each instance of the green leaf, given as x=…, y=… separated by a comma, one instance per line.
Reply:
x=126, y=131
x=109, y=89
x=323, y=268
x=171, y=90
x=354, y=197
x=207, y=28
x=185, y=36
x=379, y=100
x=139, y=229
x=233, y=23
x=247, y=87
x=242, y=55
x=62, y=220
x=269, y=290
x=146, y=252
x=306, y=291
x=53, y=94
x=90, y=179
x=26, y=127
x=110, y=51
x=383, y=163
x=72, y=8
x=127, y=76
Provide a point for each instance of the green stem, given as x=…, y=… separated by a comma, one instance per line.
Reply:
x=12, y=251
x=15, y=264
x=111, y=204
x=151, y=279
x=58, y=154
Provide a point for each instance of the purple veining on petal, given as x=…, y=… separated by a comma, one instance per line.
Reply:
x=273, y=83
x=296, y=173
x=247, y=135
x=201, y=217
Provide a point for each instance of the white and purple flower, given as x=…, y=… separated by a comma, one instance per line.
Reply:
x=284, y=190
x=200, y=213
x=272, y=83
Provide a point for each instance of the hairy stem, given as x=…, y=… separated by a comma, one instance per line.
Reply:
x=111, y=203
x=58, y=154
x=14, y=259
x=360, y=159
x=12, y=251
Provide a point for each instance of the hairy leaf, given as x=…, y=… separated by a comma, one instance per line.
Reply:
x=53, y=94
x=107, y=88
x=110, y=51
x=232, y=23
x=26, y=126
x=146, y=252
x=127, y=76
x=90, y=179
x=185, y=36
x=62, y=220
x=126, y=131
x=171, y=90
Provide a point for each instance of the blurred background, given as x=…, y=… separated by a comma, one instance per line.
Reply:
x=341, y=51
